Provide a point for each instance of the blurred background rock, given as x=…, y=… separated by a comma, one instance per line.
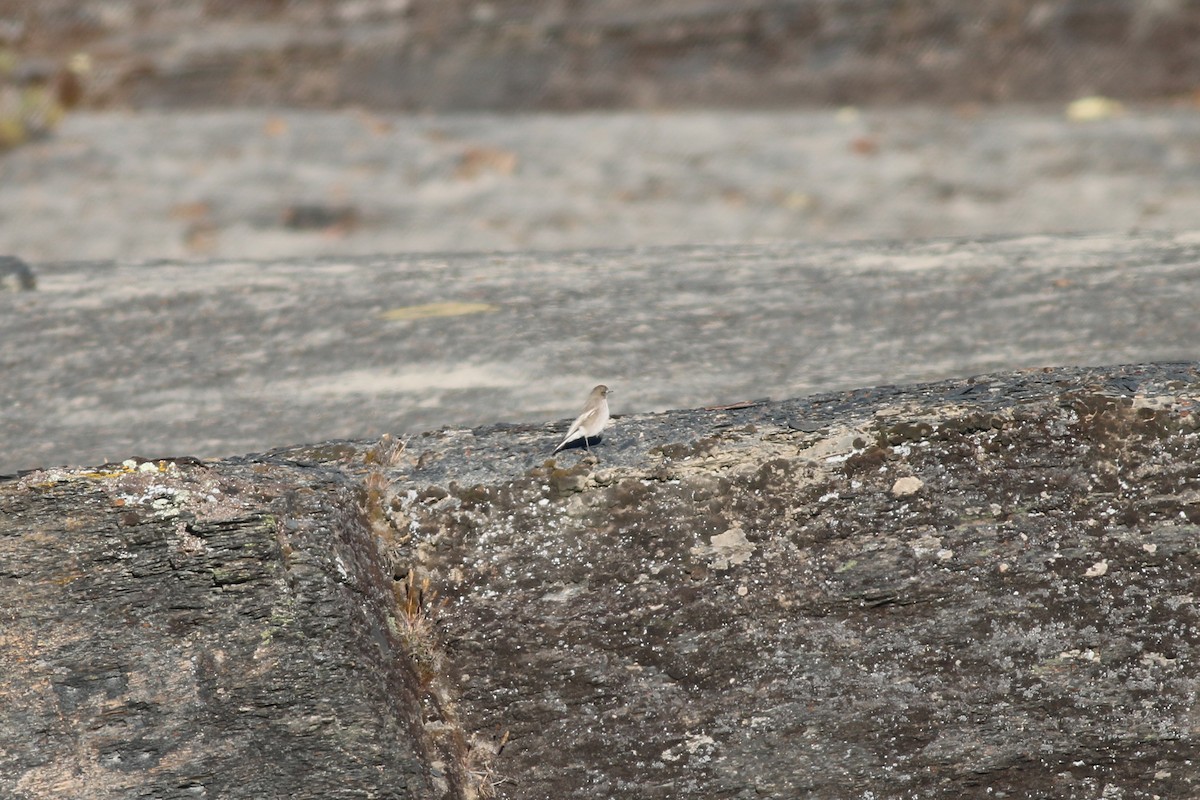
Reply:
x=452, y=55
x=266, y=128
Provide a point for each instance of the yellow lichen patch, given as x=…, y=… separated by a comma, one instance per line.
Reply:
x=126, y=467
x=430, y=310
x=1089, y=109
x=104, y=474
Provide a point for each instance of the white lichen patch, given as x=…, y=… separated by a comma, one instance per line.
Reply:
x=908, y=485
x=726, y=549
x=838, y=446
x=926, y=545
x=1157, y=402
x=164, y=500
x=1157, y=660
x=164, y=488
x=563, y=594
x=696, y=745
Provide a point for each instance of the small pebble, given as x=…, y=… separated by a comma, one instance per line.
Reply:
x=15, y=275
x=904, y=487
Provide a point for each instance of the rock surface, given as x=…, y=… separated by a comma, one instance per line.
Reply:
x=522, y=54
x=106, y=360
x=183, y=630
x=726, y=602
x=244, y=184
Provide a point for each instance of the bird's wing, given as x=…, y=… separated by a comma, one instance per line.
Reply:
x=574, y=432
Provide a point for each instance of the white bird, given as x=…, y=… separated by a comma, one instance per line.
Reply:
x=591, y=421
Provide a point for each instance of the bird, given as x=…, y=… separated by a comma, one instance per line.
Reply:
x=591, y=421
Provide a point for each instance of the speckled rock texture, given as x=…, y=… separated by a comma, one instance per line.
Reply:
x=982, y=587
x=182, y=630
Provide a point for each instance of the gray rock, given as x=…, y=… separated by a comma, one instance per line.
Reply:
x=718, y=604
x=15, y=275
x=109, y=359
x=526, y=54
x=184, y=633
x=226, y=185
